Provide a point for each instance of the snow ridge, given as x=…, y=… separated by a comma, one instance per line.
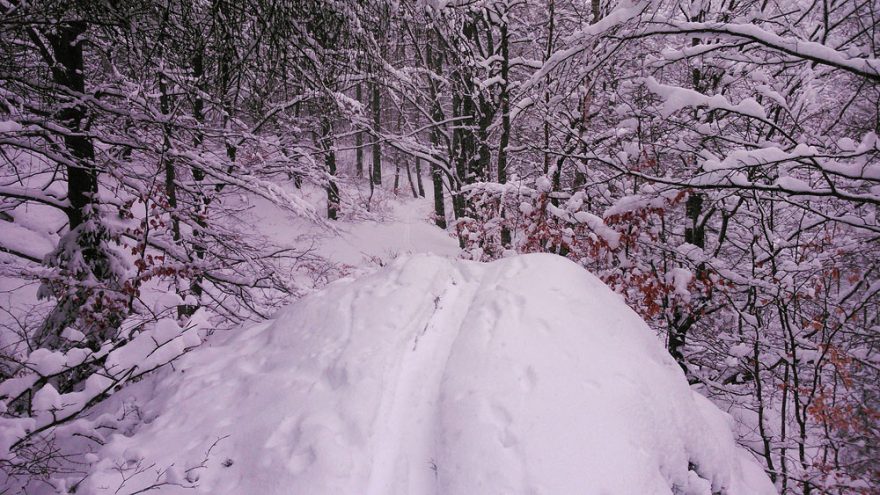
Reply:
x=439, y=376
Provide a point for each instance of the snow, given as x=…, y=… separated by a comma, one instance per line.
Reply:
x=19, y=239
x=636, y=202
x=73, y=335
x=680, y=278
x=166, y=301
x=405, y=230
x=675, y=98
x=9, y=126
x=409, y=233
x=46, y=399
x=740, y=350
x=543, y=184
x=434, y=375
x=153, y=347
x=46, y=362
x=809, y=50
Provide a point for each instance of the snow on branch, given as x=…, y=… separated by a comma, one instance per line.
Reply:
x=675, y=98
x=868, y=68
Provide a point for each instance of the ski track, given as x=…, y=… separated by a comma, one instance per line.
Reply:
x=408, y=410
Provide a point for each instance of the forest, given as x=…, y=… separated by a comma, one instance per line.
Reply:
x=714, y=162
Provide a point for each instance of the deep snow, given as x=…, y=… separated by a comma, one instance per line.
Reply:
x=433, y=375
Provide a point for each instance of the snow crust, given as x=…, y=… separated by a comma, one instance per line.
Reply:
x=434, y=375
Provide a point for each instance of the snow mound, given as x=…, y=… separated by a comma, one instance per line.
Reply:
x=526, y=375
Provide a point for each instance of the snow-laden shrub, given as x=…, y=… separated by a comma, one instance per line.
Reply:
x=47, y=405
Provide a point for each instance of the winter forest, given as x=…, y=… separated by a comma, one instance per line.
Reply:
x=175, y=173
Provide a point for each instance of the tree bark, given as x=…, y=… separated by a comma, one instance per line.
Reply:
x=359, y=140
x=376, y=175
x=504, y=140
x=419, y=183
x=435, y=63
x=330, y=162
x=201, y=200
x=69, y=71
x=223, y=18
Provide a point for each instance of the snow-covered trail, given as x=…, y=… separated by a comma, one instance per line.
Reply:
x=438, y=376
x=407, y=415
x=404, y=228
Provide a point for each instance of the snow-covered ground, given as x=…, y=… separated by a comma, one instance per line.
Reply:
x=399, y=225
x=433, y=375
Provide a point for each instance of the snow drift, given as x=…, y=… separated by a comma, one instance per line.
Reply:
x=525, y=375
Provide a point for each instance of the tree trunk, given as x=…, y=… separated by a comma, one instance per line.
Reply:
x=81, y=252
x=69, y=71
x=225, y=66
x=681, y=323
x=376, y=176
x=330, y=162
x=359, y=140
x=168, y=163
x=409, y=178
x=436, y=64
x=505, y=124
x=201, y=200
x=551, y=7
x=419, y=183
x=439, y=206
